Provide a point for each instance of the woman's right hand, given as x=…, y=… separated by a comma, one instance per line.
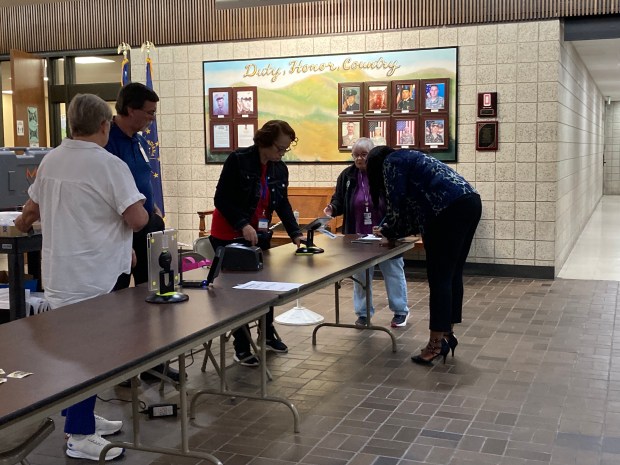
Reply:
x=327, y=211
x=249, y=234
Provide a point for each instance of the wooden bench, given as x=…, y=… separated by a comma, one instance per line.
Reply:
x=308, y=201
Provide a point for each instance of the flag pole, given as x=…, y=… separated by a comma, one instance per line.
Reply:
x=152, y=137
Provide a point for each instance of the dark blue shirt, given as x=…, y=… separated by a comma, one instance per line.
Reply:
x=418, y=188
x=128, y=149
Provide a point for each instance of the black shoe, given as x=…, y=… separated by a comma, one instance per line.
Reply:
x=246, y=359
x=276, y=346
x=452, y=341
x=434, y=349
x=170, y=373
x=361, y=322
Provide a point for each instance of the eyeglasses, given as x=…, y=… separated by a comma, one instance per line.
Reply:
x=150, y=113
x=282, y=149
x=360, y=155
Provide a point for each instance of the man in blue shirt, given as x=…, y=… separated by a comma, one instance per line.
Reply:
x=136, y=107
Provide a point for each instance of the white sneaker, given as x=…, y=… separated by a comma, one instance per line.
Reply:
x=89, y=447
x=105, y=427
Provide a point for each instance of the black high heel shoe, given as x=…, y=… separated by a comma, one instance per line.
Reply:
x=435, y=348
x=452, y=341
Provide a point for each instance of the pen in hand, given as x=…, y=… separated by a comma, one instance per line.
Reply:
x=376, y=230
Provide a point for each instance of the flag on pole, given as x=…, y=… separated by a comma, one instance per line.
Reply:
x=153, y=140
x=125, y=71
x=124, y=47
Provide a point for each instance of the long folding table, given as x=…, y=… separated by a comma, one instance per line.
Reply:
x=79, y=350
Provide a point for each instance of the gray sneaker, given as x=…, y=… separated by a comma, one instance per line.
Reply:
x=399, y=321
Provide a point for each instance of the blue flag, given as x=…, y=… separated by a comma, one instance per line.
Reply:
x=153, y=140
x=125, y=71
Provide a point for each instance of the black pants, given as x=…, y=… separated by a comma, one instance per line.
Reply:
x=241, y=343
x=141, y=271
x=447, y=240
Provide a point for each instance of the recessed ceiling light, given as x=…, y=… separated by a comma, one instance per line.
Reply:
x=9, y=92
x=92, y=60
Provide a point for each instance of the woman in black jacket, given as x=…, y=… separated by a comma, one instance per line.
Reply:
x=253, y=184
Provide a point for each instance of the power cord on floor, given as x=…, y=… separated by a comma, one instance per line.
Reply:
x=112, y=400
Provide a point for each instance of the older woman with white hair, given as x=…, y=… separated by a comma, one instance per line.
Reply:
x=352, y=199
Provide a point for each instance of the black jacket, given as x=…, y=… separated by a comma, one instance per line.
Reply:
x=238, y=190
x=341, y=200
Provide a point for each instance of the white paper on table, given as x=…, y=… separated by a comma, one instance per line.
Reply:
x=268, y=286
x=329, y=234
x=369, y=237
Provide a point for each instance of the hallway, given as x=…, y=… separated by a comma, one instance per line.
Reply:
x=596, y=255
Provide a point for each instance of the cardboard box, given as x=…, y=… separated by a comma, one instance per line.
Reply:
x=11, y=231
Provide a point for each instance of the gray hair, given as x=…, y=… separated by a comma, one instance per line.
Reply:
x=363, y=143
x=85, y=114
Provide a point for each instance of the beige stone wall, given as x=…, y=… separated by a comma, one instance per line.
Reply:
x=579, y=167
x=518, y=183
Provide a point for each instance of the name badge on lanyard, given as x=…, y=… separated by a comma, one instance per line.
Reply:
x=367, y=218
x=146, y=158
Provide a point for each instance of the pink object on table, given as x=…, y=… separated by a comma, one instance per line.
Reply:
x=190, y=263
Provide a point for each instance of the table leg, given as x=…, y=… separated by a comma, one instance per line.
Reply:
x=17, y=299
x=136, y=445
x=337, y=324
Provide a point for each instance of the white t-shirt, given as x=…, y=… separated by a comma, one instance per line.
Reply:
x=82, y=191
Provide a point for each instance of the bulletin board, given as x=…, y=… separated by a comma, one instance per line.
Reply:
x=405, y=97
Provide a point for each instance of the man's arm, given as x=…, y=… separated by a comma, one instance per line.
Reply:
x=136, y=216
x=29, y=215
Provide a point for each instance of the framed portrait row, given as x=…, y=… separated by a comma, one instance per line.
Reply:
x=427, y=132
x=232, y=102
x=233, y=118
x=414, y=96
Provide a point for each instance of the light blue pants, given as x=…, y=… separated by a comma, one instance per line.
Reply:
x=395, y=285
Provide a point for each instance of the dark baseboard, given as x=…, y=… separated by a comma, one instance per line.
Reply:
x=493, y=269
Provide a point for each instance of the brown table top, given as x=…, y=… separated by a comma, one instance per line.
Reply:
x=341, y=259
x=77, y=350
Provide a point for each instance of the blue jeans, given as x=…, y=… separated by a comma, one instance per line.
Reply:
x=395, y=285
x=80, y=417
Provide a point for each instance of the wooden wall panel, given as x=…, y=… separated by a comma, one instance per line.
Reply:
x=96, y=24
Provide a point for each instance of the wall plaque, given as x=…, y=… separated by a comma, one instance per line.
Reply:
x=487, y=135
x=487, y=104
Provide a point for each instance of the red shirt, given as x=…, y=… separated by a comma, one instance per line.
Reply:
x=221, y=228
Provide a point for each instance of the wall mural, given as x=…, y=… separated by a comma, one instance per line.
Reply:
x=399, y=96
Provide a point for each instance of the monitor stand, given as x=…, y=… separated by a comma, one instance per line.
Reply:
x=310, y=247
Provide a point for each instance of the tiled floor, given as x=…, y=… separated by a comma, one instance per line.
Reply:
x=534, y=381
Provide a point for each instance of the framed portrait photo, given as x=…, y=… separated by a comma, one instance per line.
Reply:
x=378, y=130
x=245, y=104
x=377, y=97
x=405, y=96
x=404, y=132
x=350, y=95
x=244, y=132
x=349, y=130
x=436, y=93
x=219, y=102
x=436, y=132
x=221, y=133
